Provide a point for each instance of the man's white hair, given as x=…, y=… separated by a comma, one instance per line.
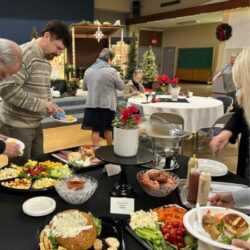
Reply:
x=10, y=52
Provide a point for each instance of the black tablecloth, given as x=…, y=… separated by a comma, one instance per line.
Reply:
x=19, y=231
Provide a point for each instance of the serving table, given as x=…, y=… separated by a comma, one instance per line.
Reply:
x=20, y=231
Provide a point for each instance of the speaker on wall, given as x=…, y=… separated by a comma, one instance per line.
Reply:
x=136, y=8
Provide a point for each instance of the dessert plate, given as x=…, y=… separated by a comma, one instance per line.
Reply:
x=215, y=168
x=39, y=206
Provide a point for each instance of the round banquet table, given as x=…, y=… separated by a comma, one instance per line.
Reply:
x=198, y=112
x=20, y=231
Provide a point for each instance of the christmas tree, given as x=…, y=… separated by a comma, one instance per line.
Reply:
x=149, y=68
x=34, y=33
x=132, y=57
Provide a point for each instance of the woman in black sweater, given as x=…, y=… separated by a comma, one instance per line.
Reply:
x=240, y=121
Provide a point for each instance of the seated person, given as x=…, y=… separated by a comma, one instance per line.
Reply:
x=134, y=86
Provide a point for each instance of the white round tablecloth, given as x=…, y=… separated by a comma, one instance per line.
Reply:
x=198, y=112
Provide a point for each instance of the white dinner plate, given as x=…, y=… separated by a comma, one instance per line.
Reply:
x=190, y=220
x=215, y=168
x=63, y=121
x=39, y=206
x=13, y=140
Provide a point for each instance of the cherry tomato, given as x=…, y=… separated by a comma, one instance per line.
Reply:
x=176, y=224
x=180, y=244
x=165, y=230
x=179, y=232
x=173, y=233
x=180, y=238
x=166, y=236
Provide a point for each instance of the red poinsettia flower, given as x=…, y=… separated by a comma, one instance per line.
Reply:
x=163, y=79
x=123, y=119
x=137, y=118
x=125, y=113
x=129, y=118
x=133, y=109
x=175, y=80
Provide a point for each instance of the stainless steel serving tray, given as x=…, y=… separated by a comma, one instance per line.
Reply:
x=182, y=190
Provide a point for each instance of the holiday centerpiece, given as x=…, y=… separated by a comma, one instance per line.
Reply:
x=164, y=80
x=174, y=88
x=126, y=132
x=223, y=32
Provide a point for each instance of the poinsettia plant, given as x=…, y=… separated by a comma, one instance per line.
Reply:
x=165, y=79
x=129, y=118
x=175, y=82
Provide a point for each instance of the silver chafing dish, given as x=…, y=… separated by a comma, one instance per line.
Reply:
x=164, y=140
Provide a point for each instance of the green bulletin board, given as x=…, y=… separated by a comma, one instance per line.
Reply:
x=195, y=58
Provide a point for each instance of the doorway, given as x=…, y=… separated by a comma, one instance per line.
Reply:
x=168, y=60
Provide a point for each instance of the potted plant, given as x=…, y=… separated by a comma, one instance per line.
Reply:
x=164, y=80
x=174, y=88
x=73, y=85
x=69, y=71
x=126, y=132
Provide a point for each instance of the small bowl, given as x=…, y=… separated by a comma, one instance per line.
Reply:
x=160, y=188
x=76, y=196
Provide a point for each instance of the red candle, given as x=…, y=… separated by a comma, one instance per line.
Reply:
x=193, y=185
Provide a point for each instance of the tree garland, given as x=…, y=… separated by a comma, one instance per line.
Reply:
x=223, y=32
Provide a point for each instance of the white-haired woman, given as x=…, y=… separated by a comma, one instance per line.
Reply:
x=240, y=122
x=134, y=87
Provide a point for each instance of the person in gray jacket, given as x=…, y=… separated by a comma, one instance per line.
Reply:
x=101, y=81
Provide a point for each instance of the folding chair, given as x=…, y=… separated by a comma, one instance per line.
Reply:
x=227, y=102
x=213, y=130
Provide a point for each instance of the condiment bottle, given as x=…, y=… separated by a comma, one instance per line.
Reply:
x=204, y=187
x=192, y=163
x=194, y=177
